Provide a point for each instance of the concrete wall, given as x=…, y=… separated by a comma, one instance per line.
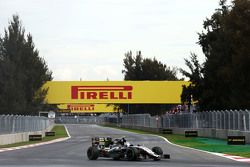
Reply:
x=20, y=137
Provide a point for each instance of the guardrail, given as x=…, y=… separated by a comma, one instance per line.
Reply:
x=18, y=123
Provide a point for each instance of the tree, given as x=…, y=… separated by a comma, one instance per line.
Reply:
x=225, y=42
x=22, y=72
x=139, y=69
x=194, y=89
x=237, y=25
x=215, y=44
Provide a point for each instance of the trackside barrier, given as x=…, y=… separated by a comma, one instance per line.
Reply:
x=216, y=120
x=228, y=120
x=216, y=124
x=18, y=123
x=17, y=128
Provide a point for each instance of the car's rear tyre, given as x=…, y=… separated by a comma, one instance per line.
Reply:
x=132, y=154
x=92, y=153
x=157, y=150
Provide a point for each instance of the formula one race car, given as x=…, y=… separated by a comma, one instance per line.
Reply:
x=121, y=149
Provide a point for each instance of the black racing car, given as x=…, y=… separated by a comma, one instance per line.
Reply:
x=121, y=149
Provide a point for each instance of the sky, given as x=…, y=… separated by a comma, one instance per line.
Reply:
x=87, y=39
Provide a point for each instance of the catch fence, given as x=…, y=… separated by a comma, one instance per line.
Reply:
x=229, y=120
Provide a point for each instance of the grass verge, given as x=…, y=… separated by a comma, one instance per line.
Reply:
x=60, y=133
x=201, y=143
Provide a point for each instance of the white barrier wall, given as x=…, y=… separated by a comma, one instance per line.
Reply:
x=21, y=137
x=17, y=128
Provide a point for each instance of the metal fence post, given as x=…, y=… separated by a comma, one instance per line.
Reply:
x=13, y=123
x=248, y=120
x=244, y=123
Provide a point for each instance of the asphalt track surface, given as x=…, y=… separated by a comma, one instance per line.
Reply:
x=73, y=152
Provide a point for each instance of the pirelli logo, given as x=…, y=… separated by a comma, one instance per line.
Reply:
x=101, y=92
x=81, y=107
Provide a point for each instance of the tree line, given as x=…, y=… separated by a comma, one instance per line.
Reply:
x=222, y=81
x=137, y=68
x=22, y=72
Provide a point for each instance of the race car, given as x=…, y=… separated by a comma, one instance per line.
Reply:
x=119, y=149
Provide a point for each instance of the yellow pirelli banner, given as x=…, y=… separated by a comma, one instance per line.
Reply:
x=86, y=108
x=112, y=92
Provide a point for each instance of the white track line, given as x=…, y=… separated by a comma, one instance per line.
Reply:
x=37, y=144
x=67, y=131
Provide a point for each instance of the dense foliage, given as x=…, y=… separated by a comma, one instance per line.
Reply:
x=192, y=92
x=138, y=68
x=22, y=72
x=225, y=42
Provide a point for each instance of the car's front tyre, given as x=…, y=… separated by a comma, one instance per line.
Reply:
x=132, y=153
x=92, y=153
x=158, y=151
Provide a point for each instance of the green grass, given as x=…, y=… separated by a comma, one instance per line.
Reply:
x=60, y=133
x=201, y=143
x=208, y=144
